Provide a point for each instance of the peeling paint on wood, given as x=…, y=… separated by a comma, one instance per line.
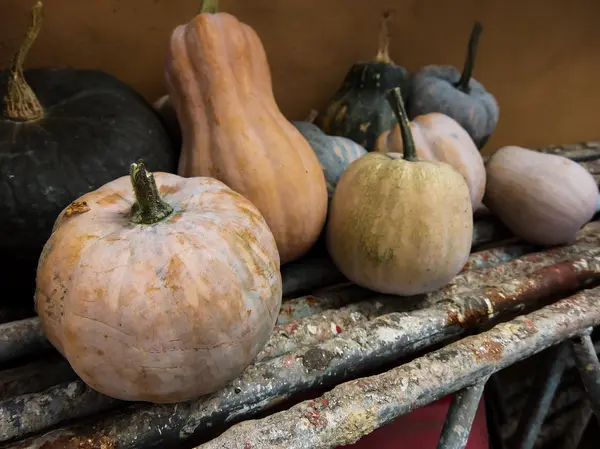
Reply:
x=471, y=299
x=355, y=408
x=324, y=338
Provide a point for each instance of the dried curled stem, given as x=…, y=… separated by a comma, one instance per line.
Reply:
x=383, y=49
x=20, y=103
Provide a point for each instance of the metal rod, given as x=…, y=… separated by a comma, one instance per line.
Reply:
x=539, y=400
x=495, y=413
x=317, y=327
x=461, y=414
x=556, y=426
x=19, y=338
x=557, y=271
x=309, y=274
x=35, y=377
x=588, y=366
x=350, y=410
x=309, y=305
x=578, y=425
x=464, y=304
x=578, y=152
x=31, y=413
x=356, y=408
x=8, y=314
x=515, y=392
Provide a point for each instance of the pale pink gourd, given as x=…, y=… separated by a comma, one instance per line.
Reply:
x=542, y=198
x=164, y=311
x=439, y=137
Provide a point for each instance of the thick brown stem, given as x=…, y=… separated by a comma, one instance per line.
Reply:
x=409, y=150
x=383, y=49
x=20, y=102
x=463, y=83
x=312, y=116
x=209, y=6
x=148, y=208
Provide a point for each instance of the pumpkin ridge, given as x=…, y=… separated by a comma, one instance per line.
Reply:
x=237, y=259
x=251, y=248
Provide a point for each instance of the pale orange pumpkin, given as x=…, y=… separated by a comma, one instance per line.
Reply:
x=163, y=295
x=219, y=83
x=439, y=137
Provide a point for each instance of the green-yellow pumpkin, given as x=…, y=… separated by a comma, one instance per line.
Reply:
x=399, y=225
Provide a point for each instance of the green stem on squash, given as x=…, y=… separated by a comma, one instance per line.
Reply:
x=463, y=83
x=20, y=103
x=409, y=151
x=149, y=208
x=209, y=6
x=383, y=49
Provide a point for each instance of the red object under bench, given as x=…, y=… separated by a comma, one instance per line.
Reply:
x=421, y=429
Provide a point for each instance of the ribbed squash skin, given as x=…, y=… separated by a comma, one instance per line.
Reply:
x=163, y=312
x=219, y=81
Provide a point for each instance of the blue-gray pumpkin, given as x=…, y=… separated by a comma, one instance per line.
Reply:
x=359, y=109
x=335, y=153
x=442, y=88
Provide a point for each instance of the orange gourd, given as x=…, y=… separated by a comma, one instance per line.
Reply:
x=439, y=137
x=219, y=82
x=162, y=292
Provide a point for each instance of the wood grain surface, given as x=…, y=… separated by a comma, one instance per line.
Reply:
x=541, y=59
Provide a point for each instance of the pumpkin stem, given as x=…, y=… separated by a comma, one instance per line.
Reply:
x=20, y=102
x=394, y=97
x=312, y=116
x=383, y=49
x=148, y=208
x=463, y=83
x=209, y=6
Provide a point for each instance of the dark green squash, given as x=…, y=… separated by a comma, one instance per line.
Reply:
x=335, y=153
x=359, y=109
x=63, y=133
x=442, y=88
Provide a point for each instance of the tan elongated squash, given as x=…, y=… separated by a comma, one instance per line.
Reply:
x=219, y=82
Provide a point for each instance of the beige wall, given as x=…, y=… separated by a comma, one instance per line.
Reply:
x=540, y=58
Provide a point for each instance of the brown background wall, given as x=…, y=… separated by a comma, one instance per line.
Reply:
x=540, y=58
